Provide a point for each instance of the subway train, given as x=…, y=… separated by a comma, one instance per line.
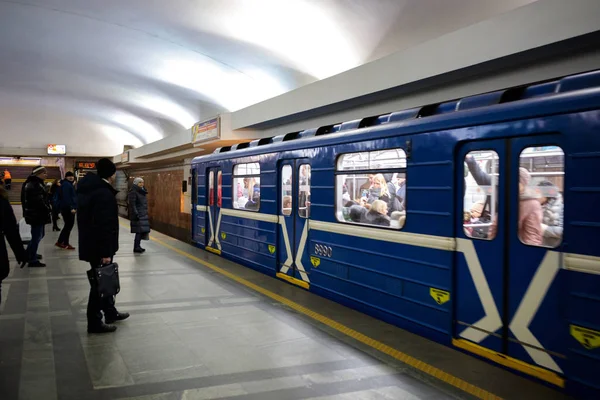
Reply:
x=473, y=222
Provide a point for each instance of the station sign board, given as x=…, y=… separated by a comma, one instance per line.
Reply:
x=57, y=149
x=125, y=157
x=206, y=130
x=85, y=165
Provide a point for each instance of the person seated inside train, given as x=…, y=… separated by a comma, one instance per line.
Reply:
x=467, y=222
x=345, y=195
x=530, y=211
x=354, y=213
x=377, y=214
x=379, y=191
x=479, y=216
x=253, y=192
x=367, y=185
x=304, y=197
x=553, y=212
x=399, y=183
x=397, y=219
x=287, y=205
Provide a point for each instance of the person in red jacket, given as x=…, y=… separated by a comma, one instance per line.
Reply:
x=7, y=179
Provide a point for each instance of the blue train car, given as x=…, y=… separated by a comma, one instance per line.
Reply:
x=474, y=222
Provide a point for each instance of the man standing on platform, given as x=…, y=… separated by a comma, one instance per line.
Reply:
x=98, y=222
x=36, y=211
x=68, y=208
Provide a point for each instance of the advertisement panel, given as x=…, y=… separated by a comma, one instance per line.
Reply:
x=206, y=130
x=57, y=149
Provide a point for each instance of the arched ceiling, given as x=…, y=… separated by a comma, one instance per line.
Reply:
x=100, y=74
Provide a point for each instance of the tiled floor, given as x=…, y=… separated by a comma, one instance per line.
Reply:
x=194, y=334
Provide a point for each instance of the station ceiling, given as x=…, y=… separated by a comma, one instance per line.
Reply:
x=99, y=74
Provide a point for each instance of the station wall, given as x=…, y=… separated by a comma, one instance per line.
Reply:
x=166, y=202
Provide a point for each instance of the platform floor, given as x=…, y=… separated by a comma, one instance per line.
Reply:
x=205, y=328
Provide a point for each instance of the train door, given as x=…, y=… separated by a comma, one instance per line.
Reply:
x=195, y=209
x=213, y=207
x=293, y=263
x=507, y=306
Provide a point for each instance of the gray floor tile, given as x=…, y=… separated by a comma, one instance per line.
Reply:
x=106, y=367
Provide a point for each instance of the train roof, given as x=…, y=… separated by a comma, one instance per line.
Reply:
x=451, y=113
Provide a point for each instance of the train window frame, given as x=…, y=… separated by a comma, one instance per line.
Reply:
x=539, y=190
x=285, y=192
x=494, y=215
x=300, y=191
x=220, y=188
x=342, y=174
x=237, y=176
x=211, y=187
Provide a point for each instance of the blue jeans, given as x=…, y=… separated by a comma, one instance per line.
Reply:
x=37, y=234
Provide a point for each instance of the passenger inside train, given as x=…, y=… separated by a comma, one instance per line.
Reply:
x=373, y=198
x=541, y=183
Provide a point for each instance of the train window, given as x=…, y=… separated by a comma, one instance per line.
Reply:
x=219, y=187
x=246, y=186
x=304, y=191
x=481, y=194
x=371, y=188
x=211, y=188
x=541, y=207
x=286, y=190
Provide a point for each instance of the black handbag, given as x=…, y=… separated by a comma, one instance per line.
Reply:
x=106, y=278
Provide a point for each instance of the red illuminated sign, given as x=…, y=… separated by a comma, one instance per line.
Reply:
x=85, y=165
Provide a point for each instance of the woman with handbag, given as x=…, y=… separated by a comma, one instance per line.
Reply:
x=138, y=214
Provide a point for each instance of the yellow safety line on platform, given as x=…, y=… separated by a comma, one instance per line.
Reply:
x=293, y=281
x=510, y=362
x=405, y=358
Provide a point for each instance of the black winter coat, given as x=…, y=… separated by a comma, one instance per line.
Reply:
x=68, y=197
x=97, y=218
x=34, y=198
x=138, y=210
x=10, y=230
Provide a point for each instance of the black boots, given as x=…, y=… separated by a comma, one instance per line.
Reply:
x=139, y=250
x=106, y=328
x=118, y=317
x=36, y=264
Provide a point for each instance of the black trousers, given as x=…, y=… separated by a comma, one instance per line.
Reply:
x=69, y=219
x=55, y=213
x=7, y=184
x=96, y=304
x=137, y=241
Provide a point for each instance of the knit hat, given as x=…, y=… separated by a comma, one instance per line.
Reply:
x=105, y=168
x=524, y=176
x=38, y=170
x=68, y=174
x=137, y=180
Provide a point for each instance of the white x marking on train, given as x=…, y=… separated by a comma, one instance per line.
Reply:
x=535, y=294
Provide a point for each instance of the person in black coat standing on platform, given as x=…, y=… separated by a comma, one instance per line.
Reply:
x=9, y=230
x=36, y=211
x=138, y=213
x=68, y=207
x=98, y=221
